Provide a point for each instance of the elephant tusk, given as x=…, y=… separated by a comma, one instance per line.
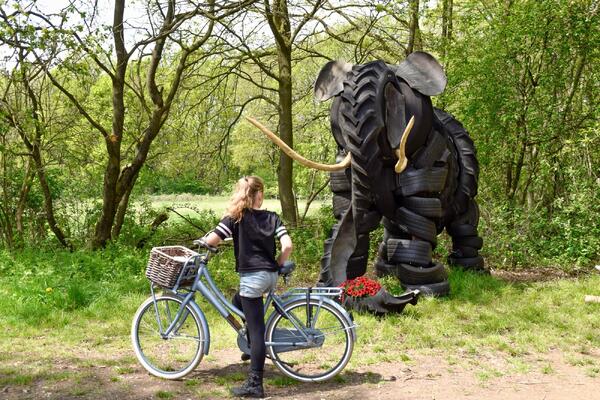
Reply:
x=400, y=151
x=287, y=150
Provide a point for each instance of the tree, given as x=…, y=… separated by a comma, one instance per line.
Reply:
x=176, y=33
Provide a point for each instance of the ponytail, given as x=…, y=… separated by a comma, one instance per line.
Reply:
x=246, y=190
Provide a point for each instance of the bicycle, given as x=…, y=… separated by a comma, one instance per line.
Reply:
x=309, y=336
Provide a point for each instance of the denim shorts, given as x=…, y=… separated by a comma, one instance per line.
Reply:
x=255, y=284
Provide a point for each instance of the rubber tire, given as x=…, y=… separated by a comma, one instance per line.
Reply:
x=341, y=316
x=431, y=152
x=357, y=266
x=148, y=305
x=430, y=207
x=468, y=262
x=362, y=120
x=417, y=275
x=457, y=230
x=464, y=252
x=339, y=182
x=341, y=203
x=383, y=268
x=433, y=289
x=416, y=225
x=468, y=241
x=427, y=180
x=414, y=252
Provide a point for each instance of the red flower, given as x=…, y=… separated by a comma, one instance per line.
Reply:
x=360, y=287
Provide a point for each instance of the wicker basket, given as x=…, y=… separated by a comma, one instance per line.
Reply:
x=165, y=264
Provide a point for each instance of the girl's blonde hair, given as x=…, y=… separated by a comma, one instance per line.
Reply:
x=246, y=190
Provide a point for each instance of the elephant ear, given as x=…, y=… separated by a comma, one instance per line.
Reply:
x=330, y=81
x=423, y=73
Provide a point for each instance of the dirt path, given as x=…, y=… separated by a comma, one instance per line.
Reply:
x=93, y=376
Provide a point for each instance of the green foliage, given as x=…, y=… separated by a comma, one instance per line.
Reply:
x=522, y=78
x=36, y=284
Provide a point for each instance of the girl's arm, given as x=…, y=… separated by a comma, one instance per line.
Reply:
x=213, y=239
x=286, y=249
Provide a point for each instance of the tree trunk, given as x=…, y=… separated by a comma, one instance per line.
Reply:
x=446, y=28
x=285, y=175
x=5, y=219
x=413, y=27
x=23, y=193
x=280, y=26
x=121, y=211
x=110, y=199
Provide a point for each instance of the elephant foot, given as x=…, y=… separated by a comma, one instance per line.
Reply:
x=382, y=302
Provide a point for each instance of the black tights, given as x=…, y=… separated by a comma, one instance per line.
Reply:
x=254, y=312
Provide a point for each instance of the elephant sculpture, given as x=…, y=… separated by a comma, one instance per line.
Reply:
x=405, y=164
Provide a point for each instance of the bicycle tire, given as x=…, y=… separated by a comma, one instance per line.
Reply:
x=173, y=357
x=312, y=364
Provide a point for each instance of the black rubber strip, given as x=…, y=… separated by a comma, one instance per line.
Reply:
x=468, y=241
x=433, y=289
x=459, y=229
x=413, y=181
x=341, y=203
x=339, y=182
x=464, y=251
x=414, y=252
x=416, y=225
x=357, y=266
x=469, y=262
x=431, y=152
x=412, y=275
x=425, y=206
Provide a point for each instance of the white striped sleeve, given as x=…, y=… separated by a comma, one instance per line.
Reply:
x=280, y=232
x=223, y=229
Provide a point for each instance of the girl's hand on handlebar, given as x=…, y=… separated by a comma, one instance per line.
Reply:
x=202, y=243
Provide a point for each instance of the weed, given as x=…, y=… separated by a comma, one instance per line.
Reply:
x=124, y=370
x=226, y=380
x=547, y=369
x=282, y=381
x=163, y=394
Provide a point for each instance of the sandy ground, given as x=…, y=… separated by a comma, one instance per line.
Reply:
x=544, y=377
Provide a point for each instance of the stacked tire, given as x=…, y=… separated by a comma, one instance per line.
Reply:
x=435, y=191
x=463, y=217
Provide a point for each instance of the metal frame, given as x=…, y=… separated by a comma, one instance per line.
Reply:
x=196, y=265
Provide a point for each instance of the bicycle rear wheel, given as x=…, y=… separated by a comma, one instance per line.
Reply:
x=172, y=356
x=329, y=330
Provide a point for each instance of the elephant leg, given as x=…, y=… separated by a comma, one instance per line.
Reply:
x=466, y=242
x=417, y=221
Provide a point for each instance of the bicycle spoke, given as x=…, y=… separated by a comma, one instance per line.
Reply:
x=175, y=355
x=330, y=342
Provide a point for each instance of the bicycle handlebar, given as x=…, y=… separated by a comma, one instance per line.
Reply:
x=202, y=243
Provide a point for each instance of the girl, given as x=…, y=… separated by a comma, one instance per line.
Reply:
x=254, y=232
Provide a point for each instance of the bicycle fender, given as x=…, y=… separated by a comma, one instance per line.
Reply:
x=204, y=323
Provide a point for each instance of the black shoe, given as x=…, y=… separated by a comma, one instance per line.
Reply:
x=253, y=387
x=245, y=356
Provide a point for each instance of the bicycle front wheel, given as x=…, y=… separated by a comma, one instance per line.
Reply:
x=329, y=345
x=169, y=356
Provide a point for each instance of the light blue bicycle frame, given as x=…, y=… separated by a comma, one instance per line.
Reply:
x=215, y=297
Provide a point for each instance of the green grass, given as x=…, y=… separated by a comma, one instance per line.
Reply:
x=190, y=204
x=53, y=303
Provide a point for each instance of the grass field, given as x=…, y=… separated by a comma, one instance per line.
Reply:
x=66, y=319
x=484, y=315
x=218, y=204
